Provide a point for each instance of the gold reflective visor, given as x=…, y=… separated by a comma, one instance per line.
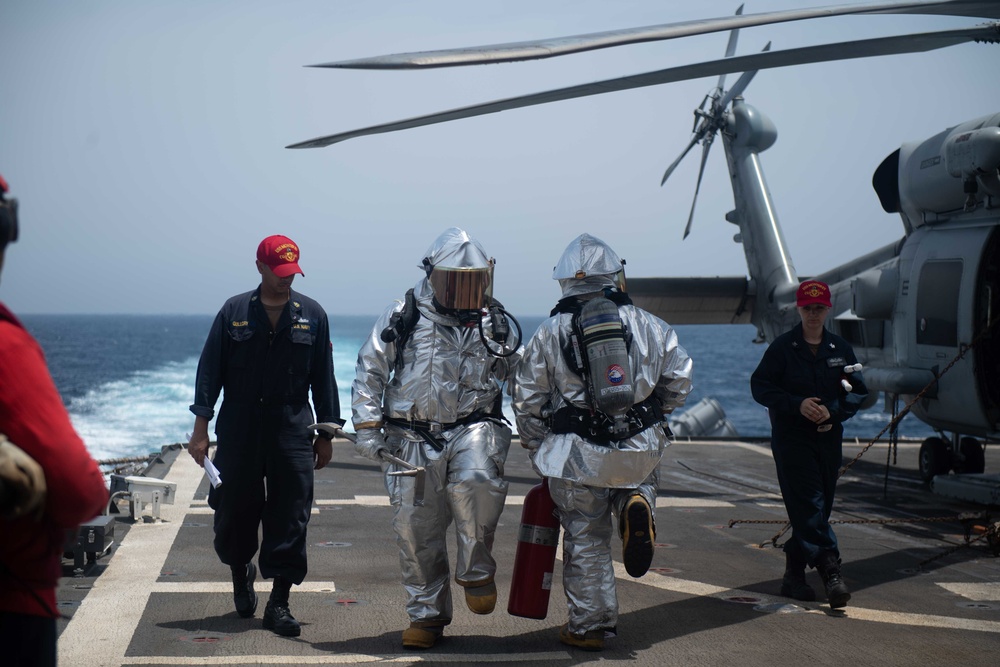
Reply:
x=462, y=289
x=620, y=281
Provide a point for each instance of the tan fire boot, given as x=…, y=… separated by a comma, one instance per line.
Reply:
x=421, y=635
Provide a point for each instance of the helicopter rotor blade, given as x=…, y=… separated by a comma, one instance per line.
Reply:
x=547, y=48
x=730, y=50
x=741, y=83
x=697, y=187
x=767, y=60
x=697, y=137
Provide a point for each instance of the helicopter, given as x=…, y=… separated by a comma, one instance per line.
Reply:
x=921, y=312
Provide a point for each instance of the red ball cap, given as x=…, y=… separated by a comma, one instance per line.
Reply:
x=813, y=291
x=280, y=254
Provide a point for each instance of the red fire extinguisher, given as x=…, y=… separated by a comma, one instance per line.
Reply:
x=537, y=542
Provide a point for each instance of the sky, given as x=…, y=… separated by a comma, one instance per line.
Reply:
x=145, y=140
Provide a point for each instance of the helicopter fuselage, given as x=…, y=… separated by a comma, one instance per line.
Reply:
x=921, y=313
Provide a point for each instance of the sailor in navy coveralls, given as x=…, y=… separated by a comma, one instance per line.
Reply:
x=266, y=350
x=799, y=381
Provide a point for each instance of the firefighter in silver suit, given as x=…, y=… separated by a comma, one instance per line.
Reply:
x=596, y=469
x=428, y=390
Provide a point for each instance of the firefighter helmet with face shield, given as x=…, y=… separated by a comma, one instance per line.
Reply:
x=589, y=265
x=459, y=272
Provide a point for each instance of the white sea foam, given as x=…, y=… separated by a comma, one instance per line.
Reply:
x=136, y=415
x=149, y=409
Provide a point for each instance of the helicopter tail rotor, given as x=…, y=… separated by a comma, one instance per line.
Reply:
x=711, y=121
x=730, y=50
x=701, y=172
x=707, y=123
x=741, y=83
x=673, y=165
x=702, y=134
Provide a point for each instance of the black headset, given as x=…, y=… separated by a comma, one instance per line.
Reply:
x=8, y=216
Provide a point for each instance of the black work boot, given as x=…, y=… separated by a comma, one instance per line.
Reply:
x=836, y=590
x=244, y=596
x=793, y=583
x=277, y=617
x=636, y=527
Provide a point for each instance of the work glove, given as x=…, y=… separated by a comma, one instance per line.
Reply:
x=22, y=483
x=532, y=431
x=371, y=443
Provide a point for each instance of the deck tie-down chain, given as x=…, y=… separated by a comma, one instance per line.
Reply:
x=991, y=531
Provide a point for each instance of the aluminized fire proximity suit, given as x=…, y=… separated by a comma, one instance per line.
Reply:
x=589, y=481
x=437, y=396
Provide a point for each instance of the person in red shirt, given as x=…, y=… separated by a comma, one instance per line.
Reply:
x=33, y=418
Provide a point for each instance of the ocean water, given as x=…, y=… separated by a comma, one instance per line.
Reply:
x=127, y=380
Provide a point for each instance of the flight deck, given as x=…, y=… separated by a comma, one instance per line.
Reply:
x=920, y=594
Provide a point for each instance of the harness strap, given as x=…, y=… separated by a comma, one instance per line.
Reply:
x=598, y=427
x=401, y=325
x=573, y=304
x=430, y=431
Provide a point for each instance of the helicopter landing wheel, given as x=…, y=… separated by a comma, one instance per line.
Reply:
x=935, y=458
x=972, y=457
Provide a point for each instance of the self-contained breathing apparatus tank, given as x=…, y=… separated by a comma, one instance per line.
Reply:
x=610, y=377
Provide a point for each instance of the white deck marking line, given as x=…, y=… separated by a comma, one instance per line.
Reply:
x=860, y=443
x=690, y=481
x=696, y=588
x=372, y=501
x=209, y=510
x=764, y=450
x=227, y=587
x=922, y=620
x=347, y=659
x=691, y=502
x=128, y=579
x=987, y=591
x=512, y=501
